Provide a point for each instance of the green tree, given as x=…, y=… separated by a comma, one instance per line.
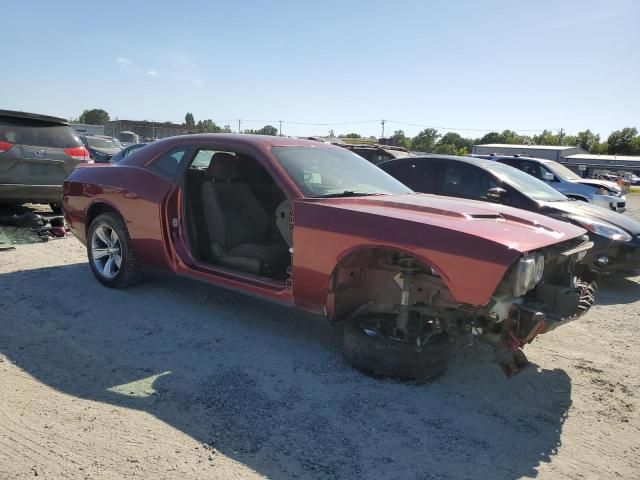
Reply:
x=546, y=137
x=587, y=140
x=208, y=126
x=507, y=136
x=97, y=116
x=425, y=140
x=268, y=130
x=458, y=141
x=399, y=139
x=620, y=141
x=189, y=121
x=491, y=137
x=332, y=134
x=446, y=149
x=599, y=148
x=350, y=135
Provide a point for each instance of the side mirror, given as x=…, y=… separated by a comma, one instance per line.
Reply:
x=496, y=194
x=548, y=177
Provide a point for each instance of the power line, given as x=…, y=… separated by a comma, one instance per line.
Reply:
x=363, y=122
x=466, y=129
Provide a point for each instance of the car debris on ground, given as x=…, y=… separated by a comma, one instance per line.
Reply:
x=29, y=226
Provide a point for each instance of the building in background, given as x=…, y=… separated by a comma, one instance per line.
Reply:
x=144, y=129
x=538, y=151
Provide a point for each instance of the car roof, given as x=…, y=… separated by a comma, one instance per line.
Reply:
x=33, y=116
x=269, y=140
x=479, y=162
x=523, y=157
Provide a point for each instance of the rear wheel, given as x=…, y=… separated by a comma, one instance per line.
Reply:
x=110, y=252
x=371, y=350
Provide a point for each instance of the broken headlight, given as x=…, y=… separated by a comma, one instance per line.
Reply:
x=528, y=273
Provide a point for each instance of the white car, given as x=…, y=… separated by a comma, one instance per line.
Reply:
x=603, y=193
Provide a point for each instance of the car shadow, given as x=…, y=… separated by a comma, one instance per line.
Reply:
x=617, y=290
x=268, y=386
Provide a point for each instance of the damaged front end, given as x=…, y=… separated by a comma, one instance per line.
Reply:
x=543, y=290
x=398, y=314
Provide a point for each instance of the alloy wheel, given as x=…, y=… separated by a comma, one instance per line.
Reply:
x=106, y=251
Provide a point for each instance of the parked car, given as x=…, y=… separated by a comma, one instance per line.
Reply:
x=101, y=148
x=600, y=192
x=317, y=227
x=376, y=153
x=125, y=152
x=616, y=237
x=36, y=153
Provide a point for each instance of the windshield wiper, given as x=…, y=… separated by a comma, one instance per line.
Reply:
x=348, y=193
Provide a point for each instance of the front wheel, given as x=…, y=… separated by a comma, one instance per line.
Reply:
x=110, y=252
x=370, y=349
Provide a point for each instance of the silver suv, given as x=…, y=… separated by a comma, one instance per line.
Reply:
x=37, y=152
x=603, y=193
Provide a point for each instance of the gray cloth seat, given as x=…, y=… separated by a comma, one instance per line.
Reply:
x=237, y=225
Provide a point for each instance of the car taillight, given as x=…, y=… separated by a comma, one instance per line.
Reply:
x=4, y=146
x=78, y=153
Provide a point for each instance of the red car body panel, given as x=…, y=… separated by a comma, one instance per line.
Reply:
x=471, y=244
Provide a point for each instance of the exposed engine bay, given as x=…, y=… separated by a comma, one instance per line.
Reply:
x=396, y=297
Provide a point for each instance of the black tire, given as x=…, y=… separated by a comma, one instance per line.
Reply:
x=378, y=355
x=129, y=271
x=55, y=208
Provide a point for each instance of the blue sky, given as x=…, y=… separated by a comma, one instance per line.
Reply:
x=477, y=65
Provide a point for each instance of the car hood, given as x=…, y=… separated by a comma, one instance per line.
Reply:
x=600, y=183
x=516, y=229
x=595, y=212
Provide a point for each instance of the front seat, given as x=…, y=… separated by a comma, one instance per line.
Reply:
x=237, y=225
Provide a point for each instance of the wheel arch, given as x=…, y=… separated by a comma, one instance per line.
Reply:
x=360, y=255
x=98, y=207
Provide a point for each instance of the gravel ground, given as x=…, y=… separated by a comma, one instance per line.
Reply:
x=173, y=379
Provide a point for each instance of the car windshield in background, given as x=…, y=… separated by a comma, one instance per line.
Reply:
x=324, y=172
x=23, y=131
x=562, y=171
x=97, y=142
x=523, y=182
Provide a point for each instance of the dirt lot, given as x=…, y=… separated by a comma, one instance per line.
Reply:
x=172, y=379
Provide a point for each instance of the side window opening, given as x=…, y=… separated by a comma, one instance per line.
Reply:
x=461, y=180
x=169, y=163
x=231, y=203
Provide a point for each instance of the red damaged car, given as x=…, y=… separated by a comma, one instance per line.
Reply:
x=319, y=228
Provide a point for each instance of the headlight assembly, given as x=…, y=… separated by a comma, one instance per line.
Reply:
x=528, y=274
x=601, y=228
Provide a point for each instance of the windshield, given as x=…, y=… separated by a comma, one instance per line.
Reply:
x=562, y=171
x=97, y=142
x=324, y=172
x=523, y=182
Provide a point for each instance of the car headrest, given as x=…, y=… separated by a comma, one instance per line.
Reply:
x=223, y=167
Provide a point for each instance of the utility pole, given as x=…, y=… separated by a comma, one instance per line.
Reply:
x=280, y=128
x=382, y=123
x=239, y=125
x=561, y=135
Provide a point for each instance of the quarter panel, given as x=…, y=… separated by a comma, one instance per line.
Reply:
x=135, y=193
x=471, y=266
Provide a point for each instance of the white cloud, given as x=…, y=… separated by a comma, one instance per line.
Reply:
x=153, y=73
x=123, y=62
